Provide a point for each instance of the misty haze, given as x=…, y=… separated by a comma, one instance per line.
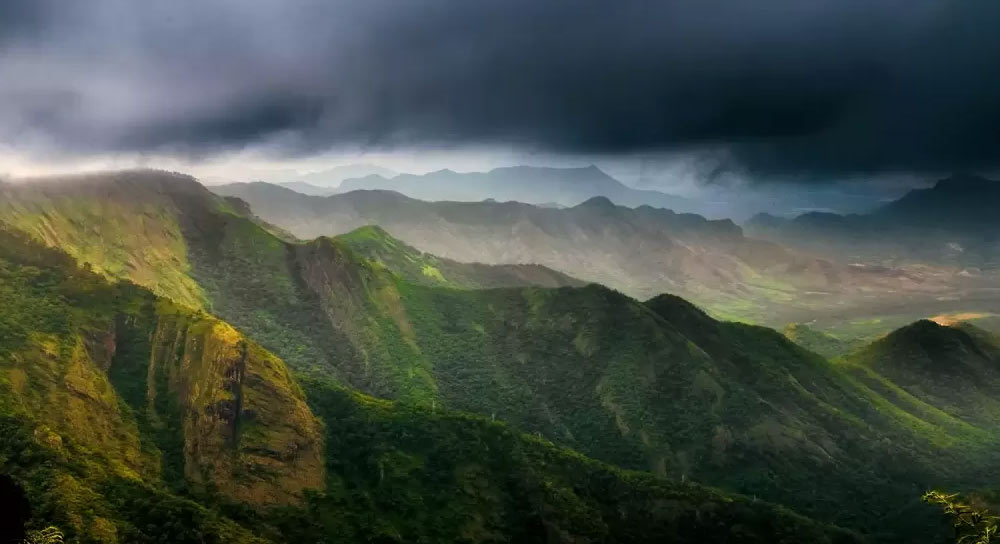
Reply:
x=371, y=271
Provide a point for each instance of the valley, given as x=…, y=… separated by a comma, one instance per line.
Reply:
x=388, y=341
x=646, y=251
x=499, y=272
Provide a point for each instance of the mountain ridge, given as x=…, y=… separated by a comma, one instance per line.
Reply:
x=529, y=184
x=659, y=386
x=642, y=251
x=490, y=482
x=952, y=222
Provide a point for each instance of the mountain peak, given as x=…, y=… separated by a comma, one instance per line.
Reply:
x=598, y=202
x=965, y=181
x=927, y=344
x=678, y=311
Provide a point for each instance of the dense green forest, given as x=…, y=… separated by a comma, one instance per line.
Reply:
x=420, y=375
x=127, y=418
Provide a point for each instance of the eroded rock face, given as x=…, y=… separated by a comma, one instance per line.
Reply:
x=248, y=433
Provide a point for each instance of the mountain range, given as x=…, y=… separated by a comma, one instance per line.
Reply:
x=130, y=416
x=162, y=337
x=954, y=223
x=328, y=182
x=528, y=184
x=641, y=251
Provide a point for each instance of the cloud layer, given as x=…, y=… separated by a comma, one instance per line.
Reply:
x=779, y=87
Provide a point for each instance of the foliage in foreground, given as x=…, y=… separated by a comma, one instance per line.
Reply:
x=971, y=525
x=48, y=535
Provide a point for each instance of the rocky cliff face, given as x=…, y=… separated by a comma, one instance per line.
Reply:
x=148, y=390
x=247, y=432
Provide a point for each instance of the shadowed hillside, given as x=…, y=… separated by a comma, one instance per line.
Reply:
x=657, y=386
x=126, y=418
x=953, y=222
x=956, y=369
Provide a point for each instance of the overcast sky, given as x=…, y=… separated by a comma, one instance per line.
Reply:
x=772, y=89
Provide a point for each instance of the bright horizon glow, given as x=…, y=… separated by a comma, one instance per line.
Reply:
x=671, y=173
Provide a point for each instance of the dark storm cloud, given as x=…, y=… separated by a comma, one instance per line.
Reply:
x=777, y=86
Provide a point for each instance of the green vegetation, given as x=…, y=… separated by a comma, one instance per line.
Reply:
x=125, y=225
x=642, y=251
x=127, y=418
x=109, y=394
x=400, y=473
x=955, y=369
x=48, y=535
x=971, y=525
x=375, y=244
x=190, y=407
x=822, y=343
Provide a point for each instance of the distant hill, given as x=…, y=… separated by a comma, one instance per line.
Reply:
x=953, y=222
x=643, y=251
x=961, y=202
x=953, y=368
x=378, y=246
x=820, y=342
x=308, y=188
x=333, y=177
x=529, y=184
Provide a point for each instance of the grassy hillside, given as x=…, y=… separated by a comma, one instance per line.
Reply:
x=127, y=225
x=375, y=244
x=656, y=386
x=953, y=368
x=112, y=396
x=820, y=342
x=127, y=418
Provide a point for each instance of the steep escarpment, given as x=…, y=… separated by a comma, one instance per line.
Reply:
x=125, y=392
x=248, y=433
x=168, y=233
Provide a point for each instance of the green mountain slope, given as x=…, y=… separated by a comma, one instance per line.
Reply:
x=375, y=244
x=126, y=224
x=129, y=395
x=820, y=342
x=657, y=386
x=126, y=418
x=427, y=475
x=955, y=369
